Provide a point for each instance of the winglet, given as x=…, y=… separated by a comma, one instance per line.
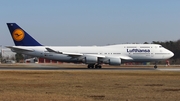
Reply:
x=21, y=37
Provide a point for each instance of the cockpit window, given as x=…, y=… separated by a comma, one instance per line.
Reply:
x=160, y=46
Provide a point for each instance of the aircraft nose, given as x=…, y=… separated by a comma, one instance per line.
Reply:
x=171, y=54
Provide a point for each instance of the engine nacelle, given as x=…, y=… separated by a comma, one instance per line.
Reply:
x=113, y=61
x=90, y=60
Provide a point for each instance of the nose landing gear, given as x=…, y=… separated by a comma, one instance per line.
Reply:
x=155, y=65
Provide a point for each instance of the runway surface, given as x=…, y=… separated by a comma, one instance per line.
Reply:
x=40, y=67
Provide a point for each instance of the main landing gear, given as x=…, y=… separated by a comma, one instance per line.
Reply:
x=94, y=66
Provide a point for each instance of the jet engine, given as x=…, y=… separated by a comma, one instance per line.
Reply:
x=113, y=61
x=90, y=59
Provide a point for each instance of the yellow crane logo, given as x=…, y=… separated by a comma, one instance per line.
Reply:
x=18, y=34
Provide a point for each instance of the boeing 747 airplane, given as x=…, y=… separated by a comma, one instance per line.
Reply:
x=93, y=56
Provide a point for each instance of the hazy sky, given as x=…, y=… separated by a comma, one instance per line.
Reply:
x=92, y=22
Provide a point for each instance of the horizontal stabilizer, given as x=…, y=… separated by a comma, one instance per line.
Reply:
x=19, y=49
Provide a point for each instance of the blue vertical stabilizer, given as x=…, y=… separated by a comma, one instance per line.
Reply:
x=21, y=37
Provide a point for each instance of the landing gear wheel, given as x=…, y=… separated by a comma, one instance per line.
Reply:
x=91, y=66
x=94, y=66
x=98, y=66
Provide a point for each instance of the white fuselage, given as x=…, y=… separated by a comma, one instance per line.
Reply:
x=125, y=52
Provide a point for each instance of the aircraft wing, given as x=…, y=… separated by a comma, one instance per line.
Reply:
x=19, y=49
x=73, y=54
x=125, y=58
x=79, y=54
x=64, y=53
x=51, y=50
